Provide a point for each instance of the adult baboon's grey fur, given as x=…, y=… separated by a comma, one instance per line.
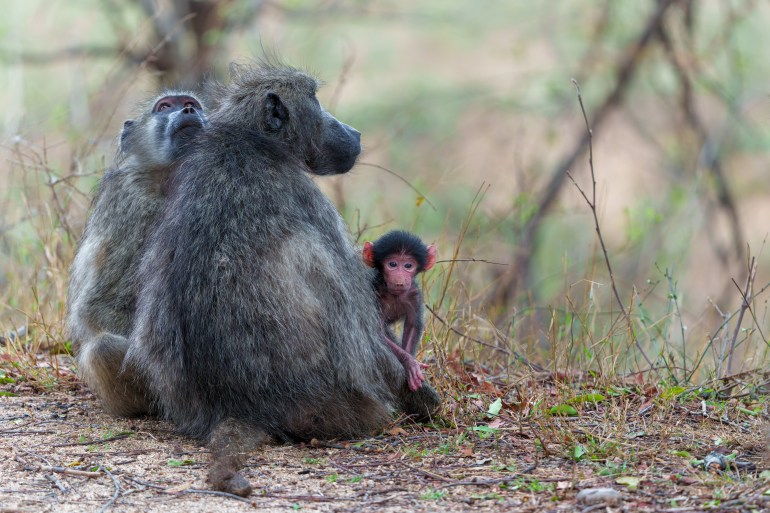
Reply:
x=257, y=317
x=103, y=278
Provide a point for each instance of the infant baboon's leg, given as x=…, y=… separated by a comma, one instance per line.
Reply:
x=231, y=444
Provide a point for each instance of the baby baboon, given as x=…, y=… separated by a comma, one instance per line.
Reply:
x=256, y=317
x=102, y=290
x=398, y=257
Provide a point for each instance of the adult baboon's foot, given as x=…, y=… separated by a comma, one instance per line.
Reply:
x=423, y=403
x=224, y=479
x=231, y=443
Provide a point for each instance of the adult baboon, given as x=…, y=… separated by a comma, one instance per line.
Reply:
x=103, y=278
x=257, y=318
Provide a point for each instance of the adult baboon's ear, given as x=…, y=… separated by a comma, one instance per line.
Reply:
x=276, y=113
x=124, y=133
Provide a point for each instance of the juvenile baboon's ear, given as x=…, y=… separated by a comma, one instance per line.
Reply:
x=276, y=113
x=125, y=132
x=432, y=254
x=368, y=254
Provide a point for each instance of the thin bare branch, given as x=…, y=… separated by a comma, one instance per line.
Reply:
x=523, y=359
x=631, y=58
x=746, y=294
x=592, y=204
x=383, y=168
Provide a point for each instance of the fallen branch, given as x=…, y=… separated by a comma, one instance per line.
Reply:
x=58, y=470
x=115, y=494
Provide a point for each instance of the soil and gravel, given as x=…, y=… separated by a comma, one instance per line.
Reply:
x=60, y=452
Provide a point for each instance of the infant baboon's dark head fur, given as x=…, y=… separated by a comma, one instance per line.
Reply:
x=399, y=241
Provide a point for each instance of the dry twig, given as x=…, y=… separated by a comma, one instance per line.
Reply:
x=115, y=494
x=627, y=66
x=393, y=173
x=746, y=294
x=592, y=204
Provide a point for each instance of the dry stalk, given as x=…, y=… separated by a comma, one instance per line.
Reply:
x=747, y=295
x=592, y=205
x=383, y=168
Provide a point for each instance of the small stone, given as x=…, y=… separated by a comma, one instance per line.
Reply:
x=606, y=496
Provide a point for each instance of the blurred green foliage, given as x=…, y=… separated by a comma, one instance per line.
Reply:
x=453, y=97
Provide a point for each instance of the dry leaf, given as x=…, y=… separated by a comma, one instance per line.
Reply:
x=496, y=423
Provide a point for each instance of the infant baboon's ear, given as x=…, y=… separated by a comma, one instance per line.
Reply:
x=431, y=260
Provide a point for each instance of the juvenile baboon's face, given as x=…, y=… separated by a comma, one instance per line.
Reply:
x=164, y=133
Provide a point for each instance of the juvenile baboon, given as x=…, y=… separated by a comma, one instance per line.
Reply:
x=103, y=278
x=256, y=318
x=398, y=257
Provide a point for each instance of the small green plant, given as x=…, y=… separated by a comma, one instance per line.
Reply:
x=535, y=486
x=332, y=478
x=433, y=495
x=577, y=452
x=180, y=463
x=485, y=432
x=311, y=461
x=612, y=469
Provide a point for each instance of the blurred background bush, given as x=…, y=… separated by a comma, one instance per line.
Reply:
x=470, y=123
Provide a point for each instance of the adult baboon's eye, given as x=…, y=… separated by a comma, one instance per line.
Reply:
x=162, y=106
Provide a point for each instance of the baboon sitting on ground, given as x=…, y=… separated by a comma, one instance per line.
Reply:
x=103, y=279
x=257, y=318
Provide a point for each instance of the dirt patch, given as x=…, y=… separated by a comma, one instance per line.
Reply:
x=60, y=452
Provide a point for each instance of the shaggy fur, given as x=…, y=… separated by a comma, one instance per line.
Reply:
x=103, y=277
x=257, y=317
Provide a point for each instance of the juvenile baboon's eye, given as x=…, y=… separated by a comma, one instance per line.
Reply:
x=392, y=264
x=407, y=265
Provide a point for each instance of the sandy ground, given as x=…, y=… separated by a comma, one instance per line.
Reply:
x=60, y=452
x=152, y=469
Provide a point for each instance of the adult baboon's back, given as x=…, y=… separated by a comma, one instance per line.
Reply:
x=256, y=311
